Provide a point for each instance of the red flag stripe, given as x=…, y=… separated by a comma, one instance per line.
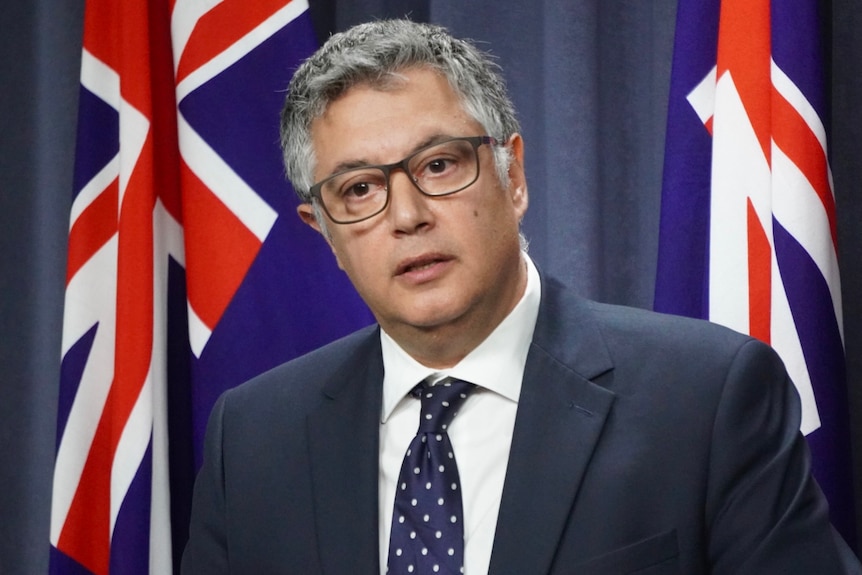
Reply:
x=759, y=278
x=744, y=51
x=101, y=15
x=219, y=250
x=793, y=135
x=221, y=27
x=94, y=227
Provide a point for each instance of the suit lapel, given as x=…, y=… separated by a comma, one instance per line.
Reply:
x=343, y=448
x=561, y=414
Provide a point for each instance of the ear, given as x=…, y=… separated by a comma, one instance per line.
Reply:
x=306, y=214
x=517, y=176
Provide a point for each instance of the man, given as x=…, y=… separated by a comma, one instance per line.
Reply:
x=589, y=439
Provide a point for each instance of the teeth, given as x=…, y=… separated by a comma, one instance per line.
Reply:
x=421, y=267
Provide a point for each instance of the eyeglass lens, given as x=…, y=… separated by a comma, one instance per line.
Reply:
x=438, y=170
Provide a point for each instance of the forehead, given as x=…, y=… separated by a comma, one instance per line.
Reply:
x=382, y=123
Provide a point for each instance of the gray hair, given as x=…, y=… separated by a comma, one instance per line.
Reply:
x=371, y=54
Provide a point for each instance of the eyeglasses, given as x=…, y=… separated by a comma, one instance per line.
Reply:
x=440, y=169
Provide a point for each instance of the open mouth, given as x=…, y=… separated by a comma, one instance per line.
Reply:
x=420, y=264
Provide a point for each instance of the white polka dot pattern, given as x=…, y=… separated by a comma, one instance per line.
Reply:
x=427, y=528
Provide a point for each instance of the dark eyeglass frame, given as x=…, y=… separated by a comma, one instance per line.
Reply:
x=403, y=165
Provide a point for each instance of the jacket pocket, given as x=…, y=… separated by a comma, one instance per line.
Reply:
x=653, y=556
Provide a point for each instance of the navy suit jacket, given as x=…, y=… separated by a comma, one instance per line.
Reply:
x=643, y=443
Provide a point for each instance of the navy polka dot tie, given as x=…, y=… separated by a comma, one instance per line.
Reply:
x=427, y=523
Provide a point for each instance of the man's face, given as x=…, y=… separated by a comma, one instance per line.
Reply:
x=438, y=273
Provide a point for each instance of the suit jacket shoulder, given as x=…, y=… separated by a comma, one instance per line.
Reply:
x=290, y=468
x=321, y=371
x=662, y=445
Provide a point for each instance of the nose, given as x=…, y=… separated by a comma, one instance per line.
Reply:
x=408, y=209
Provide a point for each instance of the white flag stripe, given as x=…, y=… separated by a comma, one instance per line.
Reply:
x=785, y=86
x=100, y=79
x=799, y=210
x=134, y=439
x=199, y=333
x=184, y=18
x=91, y=295
x=92, y=291
x=739, y=172
x=243, y=46
x=224, y=182
x=93, y=189
x=702, y=97
x=148, y=419
x=167, y=242
x=167, y=237
x=784, y=338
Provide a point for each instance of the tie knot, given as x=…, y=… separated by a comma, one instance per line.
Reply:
x=440, y=403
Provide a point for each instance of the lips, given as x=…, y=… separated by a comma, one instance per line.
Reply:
x=420, y=264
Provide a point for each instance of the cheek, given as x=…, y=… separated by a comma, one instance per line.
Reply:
x=361, y=266
x=343, y=255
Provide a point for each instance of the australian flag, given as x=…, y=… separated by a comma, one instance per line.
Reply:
x=188, y=270
x=748, y=232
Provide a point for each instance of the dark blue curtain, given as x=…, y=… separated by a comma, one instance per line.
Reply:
x=590, y=78
x=39, y=62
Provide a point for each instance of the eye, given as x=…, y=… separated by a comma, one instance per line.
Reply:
x=360, y=185
x=356, y=190
x=438, y=165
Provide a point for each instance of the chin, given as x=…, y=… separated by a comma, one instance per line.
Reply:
x=429, y=317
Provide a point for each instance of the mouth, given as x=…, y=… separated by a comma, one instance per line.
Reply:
x=420, y=264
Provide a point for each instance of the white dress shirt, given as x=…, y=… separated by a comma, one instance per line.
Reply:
x=481, y=435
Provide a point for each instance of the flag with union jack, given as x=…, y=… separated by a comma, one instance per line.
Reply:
x=748, y=231
x=188, y=271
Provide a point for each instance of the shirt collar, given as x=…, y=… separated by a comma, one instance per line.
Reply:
x=496, y=364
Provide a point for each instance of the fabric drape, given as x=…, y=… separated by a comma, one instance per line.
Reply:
x=590, y=79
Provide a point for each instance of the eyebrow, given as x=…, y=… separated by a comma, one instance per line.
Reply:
x=358, y=163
